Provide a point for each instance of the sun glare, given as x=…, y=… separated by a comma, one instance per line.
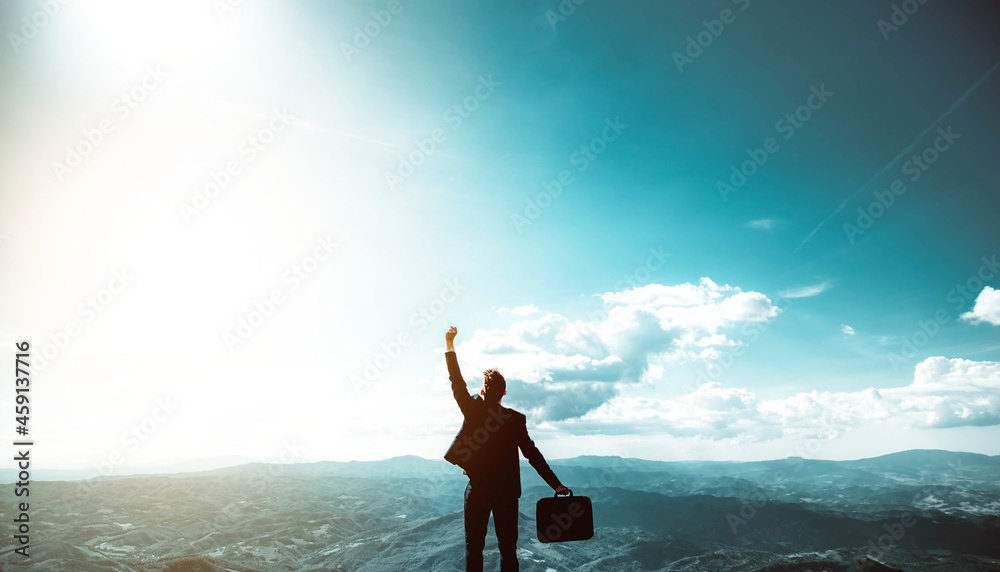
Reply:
x=177, y=33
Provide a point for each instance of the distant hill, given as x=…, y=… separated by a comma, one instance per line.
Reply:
x=911, y=463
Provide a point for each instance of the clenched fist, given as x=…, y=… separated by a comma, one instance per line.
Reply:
x=449, y=338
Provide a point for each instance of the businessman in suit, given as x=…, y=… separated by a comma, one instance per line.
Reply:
x=486, y=448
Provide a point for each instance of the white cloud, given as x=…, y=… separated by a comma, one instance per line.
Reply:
x=581, y=376
x=557, y=368
x=944, y=393
x=764, y=224
x=715, y=340
x=525, y=310
x=712, y=412
x=806, y=291
x=986, y=309
x=653, y=373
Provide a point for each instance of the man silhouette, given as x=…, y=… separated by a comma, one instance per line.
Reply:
x=486, y=448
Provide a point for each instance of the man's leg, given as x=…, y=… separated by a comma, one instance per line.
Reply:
x=477, y=516
x=505, y=523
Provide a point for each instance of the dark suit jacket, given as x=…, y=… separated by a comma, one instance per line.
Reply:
x=486, y=446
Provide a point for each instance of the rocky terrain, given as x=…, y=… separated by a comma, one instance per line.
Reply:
x=912, y=511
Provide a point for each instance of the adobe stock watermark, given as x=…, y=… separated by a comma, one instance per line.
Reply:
x=697, y=44
x=785, y=126
x=641, y=275
x=582, y=158
x=915, y=167
x=420, y=320
x=759, y=498
x=637, y=278
x=954, y=470
x=454, y=117
x=885, y=542
x=32, y=25
x=958, y=298
x=553, y=526
x=898, y=17
x=246, y=151
x=131, y=440
x=472, y=443
x=291, y=451
x=877, y=547
x=92, y=138
x=609, y=476
x=749, y=333
x=264, y=308
x=367, y=32
x=88, y=310
x=566, y=8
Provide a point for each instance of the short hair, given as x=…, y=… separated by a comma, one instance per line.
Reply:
x=493, y=384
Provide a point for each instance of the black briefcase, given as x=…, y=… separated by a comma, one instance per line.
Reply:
x=562, y=519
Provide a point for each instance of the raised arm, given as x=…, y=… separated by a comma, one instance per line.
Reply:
x=535, y=458
x=458, y=387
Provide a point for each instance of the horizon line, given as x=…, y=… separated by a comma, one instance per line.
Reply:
x=161, y=470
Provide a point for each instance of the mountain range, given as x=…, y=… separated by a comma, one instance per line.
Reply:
x=921, y=510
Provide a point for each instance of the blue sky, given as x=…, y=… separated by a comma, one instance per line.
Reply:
x=608, y=342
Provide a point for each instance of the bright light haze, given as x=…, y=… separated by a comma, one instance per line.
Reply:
x=658, y=242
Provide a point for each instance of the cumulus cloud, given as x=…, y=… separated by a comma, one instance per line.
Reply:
x=712, y=412
x=986, y=309
x=764, y=224
x=944, y=393
x=527, y=310
x=581, y=375
x=559, y=369
x=806, y=291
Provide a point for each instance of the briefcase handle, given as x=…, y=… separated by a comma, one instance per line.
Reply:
x=567, y=488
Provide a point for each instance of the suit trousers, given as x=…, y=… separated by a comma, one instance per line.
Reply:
x=479, y=503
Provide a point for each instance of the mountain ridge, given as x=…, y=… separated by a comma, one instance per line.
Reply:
x=590, y=461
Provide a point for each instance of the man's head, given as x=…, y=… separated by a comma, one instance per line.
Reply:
x=494, y=386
